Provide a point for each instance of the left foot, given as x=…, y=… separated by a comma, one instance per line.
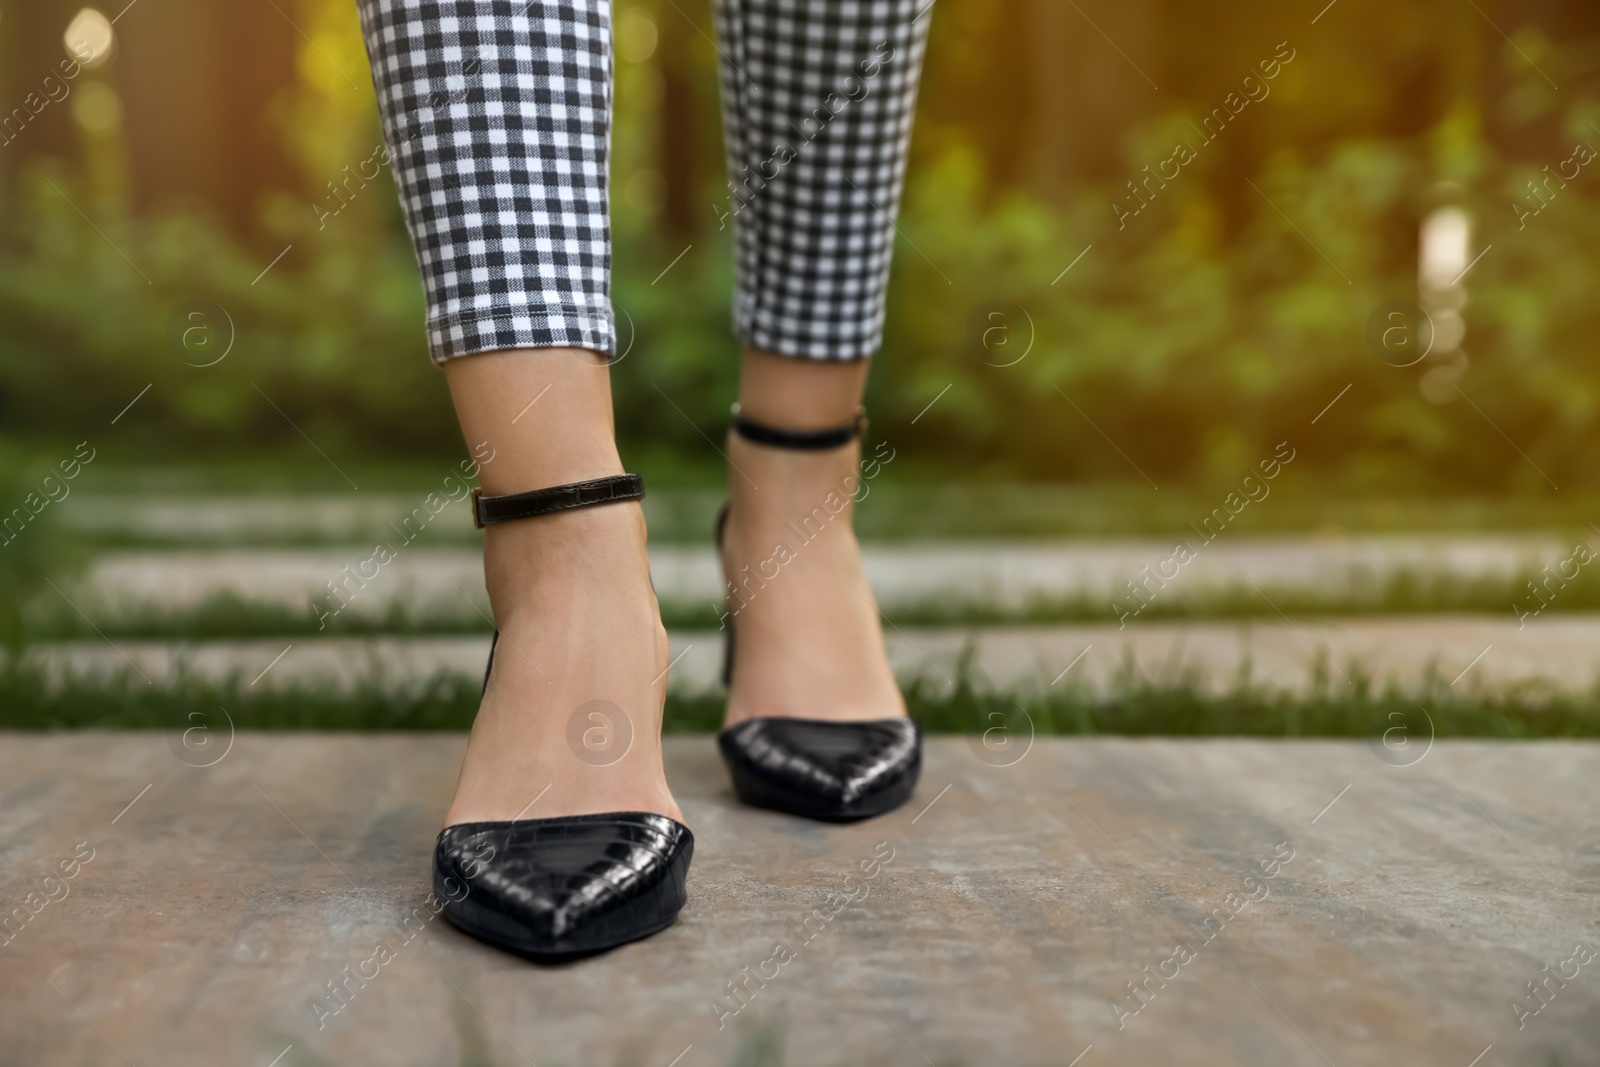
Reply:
x=809, y=641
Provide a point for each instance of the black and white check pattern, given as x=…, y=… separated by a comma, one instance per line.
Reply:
x=817, y=103
x=497, y=114
x=498, y=118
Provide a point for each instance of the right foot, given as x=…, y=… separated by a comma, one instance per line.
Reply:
x=810, y=643
x=579, y=667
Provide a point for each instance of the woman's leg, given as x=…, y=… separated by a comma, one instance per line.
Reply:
x=818, y=100
x=809, y=641
x=571, y=595
x=497, y=116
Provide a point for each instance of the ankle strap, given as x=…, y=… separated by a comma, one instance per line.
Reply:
x=800, y=440
x=613, y=490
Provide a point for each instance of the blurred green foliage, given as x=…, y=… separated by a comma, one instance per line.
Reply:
x=1181, y=347
x=32, y=546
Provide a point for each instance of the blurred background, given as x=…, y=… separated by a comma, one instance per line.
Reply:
x=202, y=141
x=1386, y=222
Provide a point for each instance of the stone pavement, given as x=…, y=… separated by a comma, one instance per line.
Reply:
x=1004, y=575
x=443, y=585
x=1399, y=913
x=1557, y=652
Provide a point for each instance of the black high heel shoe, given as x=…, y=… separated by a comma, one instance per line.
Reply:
x=816, y=768
x=560, y=888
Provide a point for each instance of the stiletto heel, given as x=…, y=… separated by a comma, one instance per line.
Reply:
x=560, y=888
x=816, y=768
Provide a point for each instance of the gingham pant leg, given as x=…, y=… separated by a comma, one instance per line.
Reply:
x=497, y=116
x=818, y=98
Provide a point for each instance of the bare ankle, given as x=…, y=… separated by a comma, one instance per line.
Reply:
x=595, y=553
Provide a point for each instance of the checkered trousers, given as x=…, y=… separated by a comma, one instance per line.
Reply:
x=497, y=114
x=817, y=103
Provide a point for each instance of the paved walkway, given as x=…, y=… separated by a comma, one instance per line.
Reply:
x=1559, y=652
x=444, y=583
x=1087, y=905
x=999, y=574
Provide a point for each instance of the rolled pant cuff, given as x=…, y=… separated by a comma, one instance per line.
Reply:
x=816, y=337
x=492, y=329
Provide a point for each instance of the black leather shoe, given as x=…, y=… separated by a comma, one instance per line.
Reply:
x=557, y=889
x=560, y=888
x=834, y=771
x=817, y=768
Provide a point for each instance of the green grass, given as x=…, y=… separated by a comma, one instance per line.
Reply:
x=1176, y=706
